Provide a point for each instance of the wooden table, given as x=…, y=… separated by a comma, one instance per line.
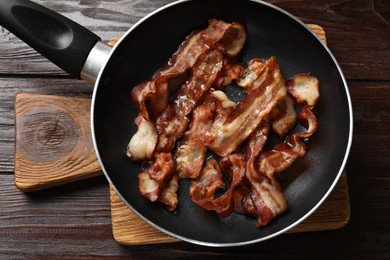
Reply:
x=73, y=221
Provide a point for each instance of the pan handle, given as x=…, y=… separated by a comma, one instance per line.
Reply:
x=62, y=41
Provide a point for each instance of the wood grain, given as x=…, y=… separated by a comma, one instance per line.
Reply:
x=74, y=222
x=361, y=24
x=53, y=141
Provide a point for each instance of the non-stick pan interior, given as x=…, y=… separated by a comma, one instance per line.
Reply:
x=148, y=46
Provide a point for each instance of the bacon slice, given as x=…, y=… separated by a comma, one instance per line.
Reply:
x=142, y=144
x=169, y=194
x=174, y=120
x=254, y=146
x=148, y=188
x=191, y=152
x=253, y=75
x=281, y=157
x=151, y=97
x=158, y=182
x=245, y=117
x=161, y=167
x=305, y=89
x=265, y=198
x=283, y=116
x=268, y=201
x=228, y=38
x=151, y=190
x=203, y=189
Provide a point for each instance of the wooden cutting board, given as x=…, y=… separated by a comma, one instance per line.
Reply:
x=53, y=146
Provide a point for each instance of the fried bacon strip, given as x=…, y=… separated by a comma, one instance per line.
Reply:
x=191, y=149
x=265, y=199
x=202, y=53
x=151, y=97
x=283, y=116
x=305, y=89
x=228, y=38
x=245, y=117
x=191, y=152
x=158, y=181
x=268, y=200
x=203, y=189
x=168, y=195
x=144, y=141
x=151, y=190
x=174, y=120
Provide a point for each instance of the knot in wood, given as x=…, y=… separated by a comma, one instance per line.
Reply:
x=46, y=134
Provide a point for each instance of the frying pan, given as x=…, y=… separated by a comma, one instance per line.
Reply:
x=146, y=47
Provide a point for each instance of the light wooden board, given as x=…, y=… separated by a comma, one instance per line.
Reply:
x=53, y=141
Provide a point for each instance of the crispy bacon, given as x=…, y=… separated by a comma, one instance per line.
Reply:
x=148, y=188
x=158, y=181
x=283, y=116
x=253, y=75
x=151, y=97
x=174, y=120
x=151, y=190
x=280, y=157
x=265, y=199
x=254, y=145
x=228, y=38
x=208, y=182
x=169, y=194
x=245, y=117
x=191, y=152
x=268, y=201
x=161, y=168
x=203, y=189
x=305, y=89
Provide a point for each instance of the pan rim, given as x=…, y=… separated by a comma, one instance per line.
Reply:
x=232, y=244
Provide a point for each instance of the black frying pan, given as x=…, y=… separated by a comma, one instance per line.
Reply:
x=146, y=47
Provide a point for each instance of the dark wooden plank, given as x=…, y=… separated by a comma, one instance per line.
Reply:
x=358, y=32
x=371, y=139
x=73, y=221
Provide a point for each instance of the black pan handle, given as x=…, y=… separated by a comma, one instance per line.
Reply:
x=64, y=42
